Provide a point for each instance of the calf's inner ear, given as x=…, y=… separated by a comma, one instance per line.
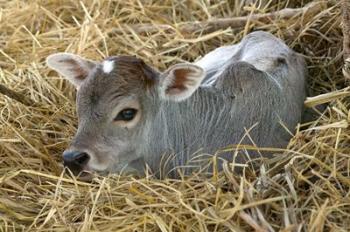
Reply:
x=180, y=81
x=73, y=67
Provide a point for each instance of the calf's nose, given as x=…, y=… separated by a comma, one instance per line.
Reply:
x=75, y=160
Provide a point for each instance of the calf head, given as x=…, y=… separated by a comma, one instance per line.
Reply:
x=117, y=100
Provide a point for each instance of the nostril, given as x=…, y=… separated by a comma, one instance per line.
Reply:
x=75, y=159
x=81, y=158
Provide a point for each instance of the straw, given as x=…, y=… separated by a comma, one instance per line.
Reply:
x=305, y=187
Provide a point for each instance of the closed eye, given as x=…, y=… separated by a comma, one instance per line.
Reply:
x=126, y=115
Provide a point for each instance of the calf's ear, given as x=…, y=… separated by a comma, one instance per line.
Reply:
x=180, y=81
x=72, y=67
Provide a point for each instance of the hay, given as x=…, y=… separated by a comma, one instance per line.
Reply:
x=305, y=188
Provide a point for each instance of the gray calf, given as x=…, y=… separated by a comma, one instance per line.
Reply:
x=131, y=115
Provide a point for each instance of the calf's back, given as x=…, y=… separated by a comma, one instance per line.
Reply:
x=253, y=93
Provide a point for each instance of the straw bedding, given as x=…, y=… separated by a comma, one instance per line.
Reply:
x=306, y=187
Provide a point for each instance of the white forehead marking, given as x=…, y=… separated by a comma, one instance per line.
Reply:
x=108, y=66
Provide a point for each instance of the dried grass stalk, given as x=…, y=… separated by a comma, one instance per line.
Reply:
x=234, y=23
x=16, y=96
x=346, y=40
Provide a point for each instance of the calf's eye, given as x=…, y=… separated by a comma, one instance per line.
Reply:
x=126, y=115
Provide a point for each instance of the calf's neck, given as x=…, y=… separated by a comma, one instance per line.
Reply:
x=131, y=115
